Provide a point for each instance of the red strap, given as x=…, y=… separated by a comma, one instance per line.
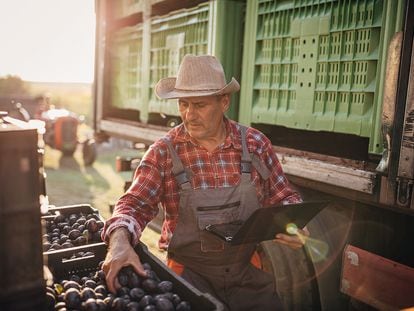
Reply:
x=179, y=268
x=175, y=266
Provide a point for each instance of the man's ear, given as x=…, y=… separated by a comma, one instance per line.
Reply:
x=225, y=101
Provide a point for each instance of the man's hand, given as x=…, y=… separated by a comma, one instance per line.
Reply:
x=295, y=241
x=120, y=254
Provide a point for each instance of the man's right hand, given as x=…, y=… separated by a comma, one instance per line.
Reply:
x=120, y=254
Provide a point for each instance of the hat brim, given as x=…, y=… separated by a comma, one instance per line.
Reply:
x=165, y=89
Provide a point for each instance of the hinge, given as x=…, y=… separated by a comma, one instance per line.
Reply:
x=404, y=192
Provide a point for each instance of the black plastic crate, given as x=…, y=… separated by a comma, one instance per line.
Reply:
x=48, y=214
x=31, y=298
x=61, y=265
x=63, y=269
x=74, y=209
x=21, y=263
x=53, y=211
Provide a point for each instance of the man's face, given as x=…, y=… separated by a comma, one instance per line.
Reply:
x=203, y=116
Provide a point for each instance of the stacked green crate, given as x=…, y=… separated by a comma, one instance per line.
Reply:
x=317, y=65
x=214, y=27
x=126, y=77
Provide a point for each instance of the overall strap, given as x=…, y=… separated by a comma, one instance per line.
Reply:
x=246, y=159
x=178, y=170
x=249, y=159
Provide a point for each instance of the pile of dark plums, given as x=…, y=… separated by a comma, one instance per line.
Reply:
x=65, y=231
x=135, y=294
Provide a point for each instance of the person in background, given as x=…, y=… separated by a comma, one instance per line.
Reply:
x=42, y=105
x=207, y=170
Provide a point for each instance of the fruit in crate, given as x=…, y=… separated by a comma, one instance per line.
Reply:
x=136, y=293
x=75, y=229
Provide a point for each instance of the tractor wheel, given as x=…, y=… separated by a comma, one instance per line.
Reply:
x=293, y=276
x=68, y=152
x=172, y=122
x=89, y=152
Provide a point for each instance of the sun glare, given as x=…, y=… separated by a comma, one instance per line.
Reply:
x=317, y=249
x=48, y=40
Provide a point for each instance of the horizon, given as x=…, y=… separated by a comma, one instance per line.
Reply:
x=55, y=82
x=44, y=82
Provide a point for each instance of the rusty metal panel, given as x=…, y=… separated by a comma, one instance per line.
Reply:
x=376, y=281
x=406, y=163
x=390, y=97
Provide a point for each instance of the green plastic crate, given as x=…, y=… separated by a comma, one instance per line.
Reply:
x=126, y=77
x=214, y=27
x=317, y=65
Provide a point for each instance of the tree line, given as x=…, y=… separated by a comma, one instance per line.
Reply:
x=12, y=85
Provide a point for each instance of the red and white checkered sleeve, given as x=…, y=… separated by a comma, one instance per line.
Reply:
x=139, y=205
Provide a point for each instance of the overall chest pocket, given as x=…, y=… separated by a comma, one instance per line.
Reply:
x=212, y=215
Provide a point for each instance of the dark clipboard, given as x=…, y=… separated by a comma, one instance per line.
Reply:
x=266, y=222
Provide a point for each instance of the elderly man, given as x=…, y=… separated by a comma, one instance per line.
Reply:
x=207, y=170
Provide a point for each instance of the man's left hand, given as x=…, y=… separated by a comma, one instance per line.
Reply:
x=295, y=241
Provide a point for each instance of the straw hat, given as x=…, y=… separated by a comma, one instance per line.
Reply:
x=197, y=76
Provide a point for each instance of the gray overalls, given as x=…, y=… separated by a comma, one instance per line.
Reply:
x=209, y=264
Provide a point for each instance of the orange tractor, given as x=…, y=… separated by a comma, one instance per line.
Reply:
x=60, y=125
x=61, y=133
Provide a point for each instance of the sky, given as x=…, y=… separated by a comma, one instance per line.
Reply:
x=47, y=40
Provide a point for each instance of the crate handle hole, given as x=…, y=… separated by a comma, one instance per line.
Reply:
x=64, y=260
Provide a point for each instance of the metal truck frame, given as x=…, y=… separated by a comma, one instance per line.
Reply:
x=368, y=228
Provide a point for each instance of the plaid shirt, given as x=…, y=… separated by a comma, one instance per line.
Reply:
x=154, y=183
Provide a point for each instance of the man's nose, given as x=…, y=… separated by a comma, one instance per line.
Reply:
x=191, y=112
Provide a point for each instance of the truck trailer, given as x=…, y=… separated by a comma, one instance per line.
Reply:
x=330, y=82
